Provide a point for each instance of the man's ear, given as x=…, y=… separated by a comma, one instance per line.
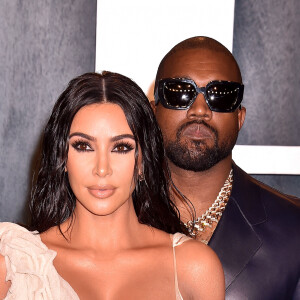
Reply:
x=241, y=116
x=152, y=103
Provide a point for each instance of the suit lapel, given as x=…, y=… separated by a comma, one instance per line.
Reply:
x=234, y=241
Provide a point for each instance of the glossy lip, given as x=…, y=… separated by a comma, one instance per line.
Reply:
x=197, y=132
x=101, y=191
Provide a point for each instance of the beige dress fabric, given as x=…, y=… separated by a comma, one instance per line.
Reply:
x=178, y=239
x=29, y=265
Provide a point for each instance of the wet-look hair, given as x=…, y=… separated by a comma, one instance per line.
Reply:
x=53, y=201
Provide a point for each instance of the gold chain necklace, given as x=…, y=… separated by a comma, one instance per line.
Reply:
x=214, y=213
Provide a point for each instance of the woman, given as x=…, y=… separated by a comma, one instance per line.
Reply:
x=100, y=208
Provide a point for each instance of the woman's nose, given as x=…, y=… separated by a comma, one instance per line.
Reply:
x=102, y=165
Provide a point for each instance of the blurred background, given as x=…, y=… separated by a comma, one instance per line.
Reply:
x=44, y=44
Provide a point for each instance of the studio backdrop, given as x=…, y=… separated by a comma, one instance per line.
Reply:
x=46, y=43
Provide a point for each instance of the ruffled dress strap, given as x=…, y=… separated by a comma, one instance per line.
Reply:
x=178, y=239
x=29, y=266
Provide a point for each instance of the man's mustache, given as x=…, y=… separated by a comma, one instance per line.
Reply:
x=198, y=122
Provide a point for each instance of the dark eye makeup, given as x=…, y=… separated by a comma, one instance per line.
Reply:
x=121, y=147
x=81, y=146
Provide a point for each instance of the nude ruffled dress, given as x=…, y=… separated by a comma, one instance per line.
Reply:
x=30, y=268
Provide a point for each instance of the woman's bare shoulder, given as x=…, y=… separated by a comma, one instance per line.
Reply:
x=196, y=255
x=199, y=271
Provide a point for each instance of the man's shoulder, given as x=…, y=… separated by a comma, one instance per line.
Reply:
x=261, y=226
x=250, y=190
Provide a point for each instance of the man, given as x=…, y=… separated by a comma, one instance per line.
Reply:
x=198, y=94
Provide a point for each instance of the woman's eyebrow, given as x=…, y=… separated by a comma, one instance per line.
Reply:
x=122, y=136
x=84, y=135
x=91, y=138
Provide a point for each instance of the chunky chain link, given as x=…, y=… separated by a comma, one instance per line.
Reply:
x=214, y=213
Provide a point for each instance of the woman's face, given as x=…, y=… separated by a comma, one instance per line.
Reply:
x=101, y=159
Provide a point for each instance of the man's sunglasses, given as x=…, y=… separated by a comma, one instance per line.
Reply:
x=181, y=93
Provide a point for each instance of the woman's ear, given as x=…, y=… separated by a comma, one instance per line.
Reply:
x=140, y=164
x=141, y=176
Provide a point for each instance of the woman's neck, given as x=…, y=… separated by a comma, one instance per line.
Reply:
x=118, y=230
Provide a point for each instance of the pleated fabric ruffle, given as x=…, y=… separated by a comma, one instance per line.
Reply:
x=29, y=265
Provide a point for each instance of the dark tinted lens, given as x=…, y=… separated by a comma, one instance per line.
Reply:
x=178, y=94
x=222, y=97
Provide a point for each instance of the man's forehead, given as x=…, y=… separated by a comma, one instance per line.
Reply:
x=200, y=63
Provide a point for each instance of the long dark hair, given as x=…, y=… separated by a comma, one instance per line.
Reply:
x=53, y=201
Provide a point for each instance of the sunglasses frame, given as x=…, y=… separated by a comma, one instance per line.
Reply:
x=159, y=97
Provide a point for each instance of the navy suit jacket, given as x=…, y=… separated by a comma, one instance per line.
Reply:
x=258, y=243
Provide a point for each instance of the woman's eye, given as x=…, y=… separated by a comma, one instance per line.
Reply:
x=123, y=148
x=82, y=146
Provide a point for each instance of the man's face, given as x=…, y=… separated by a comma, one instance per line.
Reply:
x=197, y=138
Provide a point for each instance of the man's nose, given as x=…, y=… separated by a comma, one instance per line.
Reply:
x=102, y=165
x=199, y=109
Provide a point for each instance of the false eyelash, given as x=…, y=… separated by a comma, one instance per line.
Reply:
x=128, y=145
x=76, y=143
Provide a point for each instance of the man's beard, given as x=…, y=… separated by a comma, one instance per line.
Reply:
x=198, y=157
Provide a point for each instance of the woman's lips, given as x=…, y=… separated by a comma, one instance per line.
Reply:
x=197, y=132
x=101, y=192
